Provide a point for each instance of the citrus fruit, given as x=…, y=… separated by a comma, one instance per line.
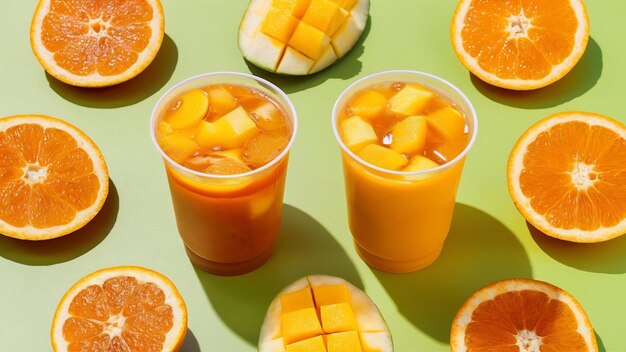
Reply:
x=520, y=45
x=522, y=315
x=300, y=37
x=123, y=308
x=566, y=176
x=323, y=313
x=53, y=178
x=96, y=43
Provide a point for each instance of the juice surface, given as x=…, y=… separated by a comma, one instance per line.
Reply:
x=400, y=220
x=223, y=129
x=228, y=223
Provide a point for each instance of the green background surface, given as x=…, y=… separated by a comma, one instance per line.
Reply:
x=489, y=239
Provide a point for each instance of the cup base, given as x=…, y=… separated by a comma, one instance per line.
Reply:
x=395, y=266
x=229, y=269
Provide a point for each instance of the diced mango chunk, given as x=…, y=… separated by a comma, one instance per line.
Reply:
x=343, y=342
x=410, y=100
x=188, y=110
x=337, y=318
x=357, y=133
x=325, y=15
x=300, y=325
x=229, y=131
x=296, y=300
x=331, y=294
x=268, y=116
x=383, y=157
x=222, y=102
x=294, y=63
x=227, y=166
x=409, y=135
x=178, y=147
x=264, y=147
x=313, y=344
x=420, y=163
x=309, y=40
x=346, y=4
x=368, y=104
x=164, y=127
x=280, y=24
x=297, y=8
x=448, y=122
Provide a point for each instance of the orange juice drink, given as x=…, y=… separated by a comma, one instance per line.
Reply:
x=225, y=140
x=404, y=136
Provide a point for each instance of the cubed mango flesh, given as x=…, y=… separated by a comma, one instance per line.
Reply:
x=338, y=318
x=280, y=24
x=309, y=40
x=325, y=15
x=177, y=147
x=345, y=4
x=313, y=344
x=343, y=342
x=229, y=131
x=410, y=100
x=357, y=133
x=383, y=157
x=268, y=116
x=409, y=135
x=222, y=102
x=331, y=294
x=300, y=325
x=164, y=127
x=368, y=104
x=296, y=300
x=227, y=166
x=188, y=110
x=297, y=8
x=448, y=122
x=420, y=163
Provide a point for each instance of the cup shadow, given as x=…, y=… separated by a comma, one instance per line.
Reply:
x=603, y=257
x=68, y=247
x=479, y=250
x=601, y=347
x=344, y=68
x=191, y=343
x=304, y=247
x=577, y=82
x=148, y=82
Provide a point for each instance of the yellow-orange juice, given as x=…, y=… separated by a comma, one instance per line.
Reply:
x=225, y=139
x=404, y=136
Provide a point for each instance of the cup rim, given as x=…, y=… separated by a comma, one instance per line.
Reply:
x=442, y=167
x=263, y=82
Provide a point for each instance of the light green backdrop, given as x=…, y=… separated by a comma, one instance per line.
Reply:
x=489, y=240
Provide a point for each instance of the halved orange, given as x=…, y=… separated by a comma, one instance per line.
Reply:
x=522, y=44
x=53, y=177
x=567, y=174
x=96, y=43
x=522, y=315
x=125, y=308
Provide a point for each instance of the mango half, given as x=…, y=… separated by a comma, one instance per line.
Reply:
x=325, y=314
x=300, y=37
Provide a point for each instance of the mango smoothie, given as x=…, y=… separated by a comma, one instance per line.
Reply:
x=225, y=139
x=404, y=136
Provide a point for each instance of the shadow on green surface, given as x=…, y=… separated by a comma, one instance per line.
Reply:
x=601, y=347
x=603, y=257
x=344, y=68
x=479, y=250
x=304, y=247
x=191, y=343
x=577, y=82
x=68, y=247
x=148, y=82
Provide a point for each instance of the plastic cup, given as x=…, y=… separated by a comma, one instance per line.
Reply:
x=400, y=220
x=228, y=223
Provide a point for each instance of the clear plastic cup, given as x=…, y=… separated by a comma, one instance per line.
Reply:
x=228, y=223
x=400, y=220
